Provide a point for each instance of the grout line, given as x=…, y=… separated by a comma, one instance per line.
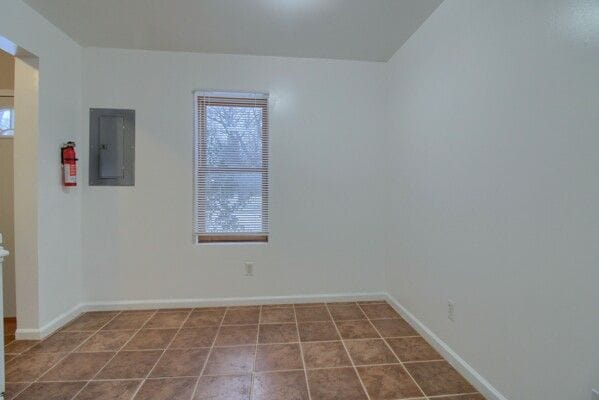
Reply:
x=349, y=355
x=195, y=388
x=68, y=353
x=302, y=354
x=116, y=352
x=255, y=354
x=77, y=347
x=169, y=344
x=392, y=352
x=239, y=374
x=236, y=345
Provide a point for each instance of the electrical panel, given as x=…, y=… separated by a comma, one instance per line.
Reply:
x=111, y=147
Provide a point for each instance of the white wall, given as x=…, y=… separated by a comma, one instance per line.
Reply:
x=327, y=126
x=48, y=241
x=494, y=189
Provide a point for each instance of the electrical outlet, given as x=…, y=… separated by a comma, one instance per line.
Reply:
x=451, y=311
x=595, y=394
x=249, y=268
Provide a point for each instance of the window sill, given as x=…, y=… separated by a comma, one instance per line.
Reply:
x=223, y=239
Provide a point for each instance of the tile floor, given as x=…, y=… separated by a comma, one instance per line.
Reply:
x=333, y=351
x=10, y=326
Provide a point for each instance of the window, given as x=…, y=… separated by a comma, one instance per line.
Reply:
x=231, y=167
x=7, y=121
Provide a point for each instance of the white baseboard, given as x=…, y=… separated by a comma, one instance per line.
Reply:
x=50, y=327
x=477, y=380
x=60, y=321
x=228, y=301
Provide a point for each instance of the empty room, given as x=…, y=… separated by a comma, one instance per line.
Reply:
x=299, y=199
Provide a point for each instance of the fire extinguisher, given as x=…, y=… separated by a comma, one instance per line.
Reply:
x=68, y=158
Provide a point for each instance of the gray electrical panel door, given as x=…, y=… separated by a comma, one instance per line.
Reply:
x=111, y=147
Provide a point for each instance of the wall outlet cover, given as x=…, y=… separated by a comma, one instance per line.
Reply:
x=249, y=268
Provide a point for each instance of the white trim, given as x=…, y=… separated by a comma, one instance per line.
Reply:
x=476, y=379
x=228, y=301
x=234, y=94
x=197, y=94
x=50, y=327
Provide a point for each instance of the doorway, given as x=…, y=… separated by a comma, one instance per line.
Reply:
x=7, y=131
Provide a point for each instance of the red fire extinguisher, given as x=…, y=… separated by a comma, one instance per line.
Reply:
x=68, y=158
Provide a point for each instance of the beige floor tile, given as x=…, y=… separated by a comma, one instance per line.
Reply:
x=394, y=328
x=242, y=316
x=194, y=337
x=129, y=320
x=164, y=320
x=230, y=360
x=130, y=365
x=277, y=315
x=317, y=331
x=30, y=366
x=166, y=389
x=312, y=314
x=184, y=362
x=325, y=355
x=342, y=312
x=51, y=391
x=289, y=385
x=278, y=333
x=337, y=383
x=151, y=339
x=413, y=349
x=90, y=321
x=231, y=387
x=356, y=329
x=106, y=341
x=388, y=382
x=438, y=378
x=61, y=342
x=235, y=335
x=204, y=317
x=368, y=352
x=379, y=311
x=109, y=390
x=77, y=367
x=11, y=390
x=278, y=357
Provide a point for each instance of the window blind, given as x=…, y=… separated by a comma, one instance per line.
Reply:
x=231, y=167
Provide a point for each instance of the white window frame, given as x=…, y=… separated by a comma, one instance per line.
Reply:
x=206, y=238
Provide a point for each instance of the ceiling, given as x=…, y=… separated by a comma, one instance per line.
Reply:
x=370, y=30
